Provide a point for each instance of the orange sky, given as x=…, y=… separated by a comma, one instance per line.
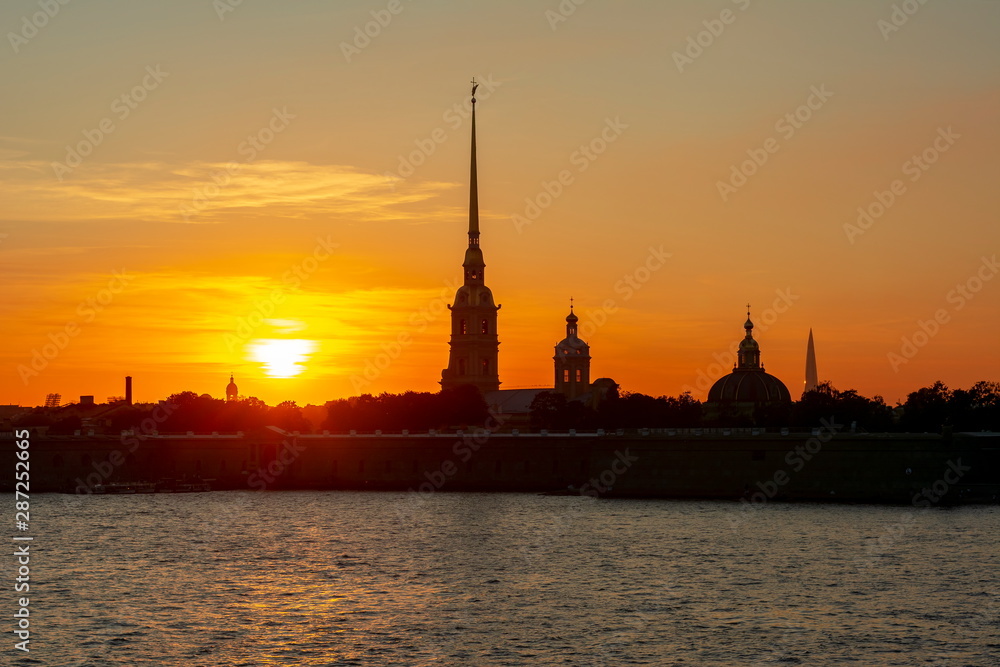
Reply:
x=268, y=165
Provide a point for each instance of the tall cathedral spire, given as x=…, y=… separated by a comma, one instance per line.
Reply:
x=473, y=179
x=474, y=341
x=474, y=265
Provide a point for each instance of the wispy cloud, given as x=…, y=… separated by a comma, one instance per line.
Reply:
x=157, y=191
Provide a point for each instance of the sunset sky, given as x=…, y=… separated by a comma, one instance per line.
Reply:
x=193, y=188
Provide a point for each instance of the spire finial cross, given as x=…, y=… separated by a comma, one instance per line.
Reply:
x=748, y=310
x=474, y=86
x=571, y=304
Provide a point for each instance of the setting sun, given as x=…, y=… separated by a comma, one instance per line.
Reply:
x=281, y=357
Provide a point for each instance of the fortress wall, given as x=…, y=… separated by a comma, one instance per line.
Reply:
x=878, y=468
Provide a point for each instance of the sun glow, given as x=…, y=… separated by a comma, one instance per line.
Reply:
x=282, y=357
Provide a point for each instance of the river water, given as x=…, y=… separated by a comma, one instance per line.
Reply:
x=358, y=578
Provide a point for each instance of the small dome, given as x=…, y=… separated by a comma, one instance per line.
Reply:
x=572, y=318
x=574, y=346
x=231, y=389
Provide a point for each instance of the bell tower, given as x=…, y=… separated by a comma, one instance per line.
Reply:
x=572, y=360
x=474, y=343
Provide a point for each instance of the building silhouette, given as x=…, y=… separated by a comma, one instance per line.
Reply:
x=812, y=377
x=232, y=392
x=748, y=387
x=474, y=343
x=572, y=361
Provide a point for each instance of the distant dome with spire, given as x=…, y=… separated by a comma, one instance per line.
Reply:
x=748, y=383
x=231, y=390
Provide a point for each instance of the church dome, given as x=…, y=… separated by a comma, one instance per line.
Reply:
x=231, y=390
x=749, y=386
x=748, y=383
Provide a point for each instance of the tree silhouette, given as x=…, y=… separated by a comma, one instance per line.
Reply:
x=842, y=407
x=417, y=411
x=928, y=409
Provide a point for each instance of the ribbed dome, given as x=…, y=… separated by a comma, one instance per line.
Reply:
x=749, y=386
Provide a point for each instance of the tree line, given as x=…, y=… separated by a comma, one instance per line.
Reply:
x=929, y=409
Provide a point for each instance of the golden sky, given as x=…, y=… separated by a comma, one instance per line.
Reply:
x=198, y=187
